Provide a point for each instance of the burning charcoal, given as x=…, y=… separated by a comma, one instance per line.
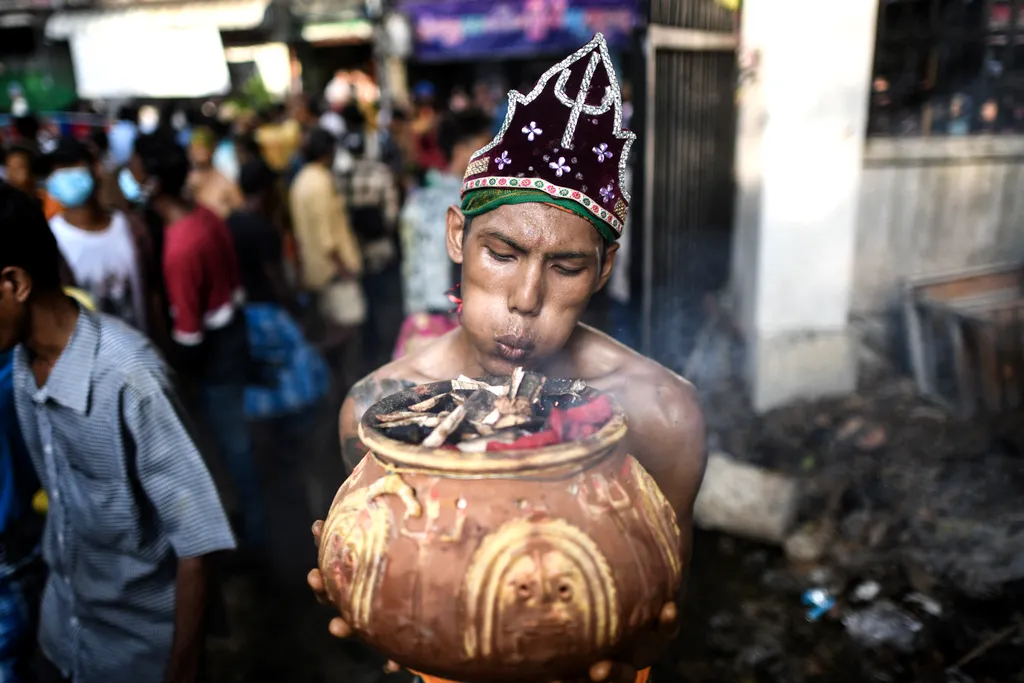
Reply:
x=420, y=420
x=479, y=405
x=516, y=406
x=409, y=434
x=465, y=432
x=560, y=401
x=399, y=416
x=495, y=381
x=512, y=421
x=517, y=378
x=447, y=426
x=531, y=387
x=464, y=383
x=432, y=404
x=457, y=399
x=480, y=429
x=556, y=386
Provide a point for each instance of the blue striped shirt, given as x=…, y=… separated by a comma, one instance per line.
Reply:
x=129, y=495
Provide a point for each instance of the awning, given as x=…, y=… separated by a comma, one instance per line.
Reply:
x=224, y=15
x=111, y=63
x=338, y=32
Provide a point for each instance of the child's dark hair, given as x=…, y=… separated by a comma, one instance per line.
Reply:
x=255, y=177
x=28, y=242
x=70, y=152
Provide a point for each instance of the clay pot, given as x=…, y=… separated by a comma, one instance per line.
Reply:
x=503, y=566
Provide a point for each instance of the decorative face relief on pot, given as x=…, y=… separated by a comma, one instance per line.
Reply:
x=538, y=588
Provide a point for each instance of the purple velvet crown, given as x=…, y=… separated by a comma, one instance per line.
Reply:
x=564, y=138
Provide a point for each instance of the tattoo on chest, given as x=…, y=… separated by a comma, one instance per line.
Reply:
x=370, y=390
x=363, y=395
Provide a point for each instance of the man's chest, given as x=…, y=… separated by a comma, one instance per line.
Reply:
x=64, y=443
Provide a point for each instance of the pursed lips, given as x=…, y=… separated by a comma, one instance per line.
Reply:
x=514, y=347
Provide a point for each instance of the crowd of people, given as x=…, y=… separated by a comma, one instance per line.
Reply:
x=250, y=268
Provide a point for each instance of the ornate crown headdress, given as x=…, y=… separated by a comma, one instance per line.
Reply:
x=564, y=138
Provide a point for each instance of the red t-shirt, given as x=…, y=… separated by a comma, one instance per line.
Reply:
x=204, y=286
x=204, y=289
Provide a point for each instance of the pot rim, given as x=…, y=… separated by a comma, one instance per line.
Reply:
x=449, y=463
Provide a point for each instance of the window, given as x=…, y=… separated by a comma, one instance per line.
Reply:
x=948, y=67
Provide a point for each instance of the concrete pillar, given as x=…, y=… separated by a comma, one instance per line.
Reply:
x=805, y=77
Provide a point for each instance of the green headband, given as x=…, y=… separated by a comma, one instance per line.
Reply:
x=204, y=137
x=479, y=202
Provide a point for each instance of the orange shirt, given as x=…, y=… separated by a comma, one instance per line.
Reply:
x=51, y=207
x=640, y=677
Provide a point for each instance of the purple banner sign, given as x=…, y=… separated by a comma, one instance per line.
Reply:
x=449, y=30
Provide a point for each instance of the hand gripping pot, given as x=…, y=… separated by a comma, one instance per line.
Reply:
x=500, y=566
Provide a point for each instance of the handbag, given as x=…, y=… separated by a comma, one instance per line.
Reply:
x=342, y=303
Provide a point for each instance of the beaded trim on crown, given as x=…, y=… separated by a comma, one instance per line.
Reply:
x=574, y=163
x=554, y=191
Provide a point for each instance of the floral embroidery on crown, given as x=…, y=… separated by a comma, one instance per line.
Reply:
x=565, y=137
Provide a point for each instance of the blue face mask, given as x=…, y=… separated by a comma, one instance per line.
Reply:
x=72, y=187
x=130, y=187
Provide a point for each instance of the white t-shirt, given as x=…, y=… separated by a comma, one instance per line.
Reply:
x=105, y=264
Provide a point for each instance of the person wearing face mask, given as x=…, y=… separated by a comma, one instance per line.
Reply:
x=106, y=251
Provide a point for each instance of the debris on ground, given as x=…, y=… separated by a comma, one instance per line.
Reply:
x=905, y=561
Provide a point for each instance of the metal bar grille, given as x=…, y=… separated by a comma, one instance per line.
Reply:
x=690, y=217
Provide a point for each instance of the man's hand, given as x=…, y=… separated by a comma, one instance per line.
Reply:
x=338, y=627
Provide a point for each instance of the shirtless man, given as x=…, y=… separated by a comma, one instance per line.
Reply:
x=531, y=259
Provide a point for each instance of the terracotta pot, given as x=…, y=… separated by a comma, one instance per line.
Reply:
x=503, y=566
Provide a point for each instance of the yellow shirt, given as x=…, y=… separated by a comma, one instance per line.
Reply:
x=321, y=226
x=279, y=142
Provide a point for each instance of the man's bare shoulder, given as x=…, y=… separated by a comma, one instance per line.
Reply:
x=666, y=423
x=427, y=364
x=614, y=367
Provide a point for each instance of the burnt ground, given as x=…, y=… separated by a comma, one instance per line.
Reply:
x=913, y=520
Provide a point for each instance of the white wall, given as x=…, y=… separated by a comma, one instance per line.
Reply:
x=799, y=155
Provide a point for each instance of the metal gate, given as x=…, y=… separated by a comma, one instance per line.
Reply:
x=689, y=132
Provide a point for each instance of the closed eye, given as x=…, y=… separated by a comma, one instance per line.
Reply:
x=569, y=272
x=503, y=258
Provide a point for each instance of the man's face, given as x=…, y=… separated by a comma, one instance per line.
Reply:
x=200, y=154
x=528, y=272
x=19, y=171
x=15, y=286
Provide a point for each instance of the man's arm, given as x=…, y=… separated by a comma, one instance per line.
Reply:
x=668, y=438
x=189, y=611
x=180, y=489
